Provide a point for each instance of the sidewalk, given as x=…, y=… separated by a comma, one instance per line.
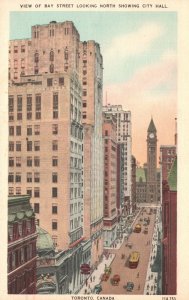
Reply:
x=120, y=242
x=95, y=277
x=151, y=277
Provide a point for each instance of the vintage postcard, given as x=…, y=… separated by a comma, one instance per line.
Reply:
x=94, y=135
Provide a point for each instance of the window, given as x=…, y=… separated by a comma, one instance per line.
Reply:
x=29, y=161
x=18, y=190
x=11, y=146
x=29, y=177
x=55, y=145
x=29, y=191
x=37, y=177
x=29, y=130
x=55, y=106
x=11, y=191
x=18, y=177
x=54, y=209
x=84, y=92
x=18, y=130
x=15, y=49
x=54, y=177
x=51, y=68
x=54, y=225
x=84, y=104
x=49, y=82
x=18, y=161
x=37, y=129
x=29, y=107
x=18, y=146
x=36, y=192
x=36, y=161
x=61, y=81
x=22, y=48
x=22, y=63
x=38, y=106
x=36, y=57
x=11, y=104
x=54, y=192
x=51, y=56
x=29, y=145
x=11, y=130
x=37, y=145
x=11, y=177
x=54, y=129
x=15, y=64
x=36, y=208
x=55, y=161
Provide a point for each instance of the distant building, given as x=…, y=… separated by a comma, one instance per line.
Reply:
x=169, y=226
x=133, y=181
x=22, y=238
x=140, y=185
x=167, y=156
x=110, y=178
x=124, y=137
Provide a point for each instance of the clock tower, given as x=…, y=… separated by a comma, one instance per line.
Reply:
x=151, y=190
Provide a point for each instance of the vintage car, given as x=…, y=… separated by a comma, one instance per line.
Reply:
x=137, y=228
x=97, y=289
x=115, y=279
x=129, y=286
x=105, y=277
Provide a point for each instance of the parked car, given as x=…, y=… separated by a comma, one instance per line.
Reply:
x=105, y=277
x=115, y=279
x=129, y=286
x=97, y=289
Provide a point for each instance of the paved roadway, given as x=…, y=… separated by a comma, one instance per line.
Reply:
x=139, y=241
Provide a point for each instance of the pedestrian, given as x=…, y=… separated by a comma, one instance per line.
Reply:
x=138, y=275
x=86, y=282
x=85, y=291
x=93, y=278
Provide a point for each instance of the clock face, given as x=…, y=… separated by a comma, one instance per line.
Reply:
x=151, y=135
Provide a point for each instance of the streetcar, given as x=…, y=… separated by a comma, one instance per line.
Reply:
x=134, y=259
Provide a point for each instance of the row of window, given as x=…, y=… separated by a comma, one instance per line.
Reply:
x=17, y=130
x=17, y=177
x=37, y=208
x=21, y=229
x=18, y=257
x=16, y=49
x=29, y=106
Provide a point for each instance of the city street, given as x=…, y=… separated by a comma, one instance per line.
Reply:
x=142, y=243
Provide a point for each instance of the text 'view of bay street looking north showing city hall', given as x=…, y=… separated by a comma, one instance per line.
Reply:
x=83, y=216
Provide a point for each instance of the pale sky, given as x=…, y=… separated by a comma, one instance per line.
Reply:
x=140, y=63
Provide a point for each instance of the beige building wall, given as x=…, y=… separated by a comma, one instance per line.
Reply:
x=51, y=141
x=91, y=66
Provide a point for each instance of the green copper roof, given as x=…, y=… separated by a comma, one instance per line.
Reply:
x=44, y=240
x=172, y=178
x=140, y=175
x=151, y=127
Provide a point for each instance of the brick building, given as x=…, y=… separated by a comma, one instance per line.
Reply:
x=22, y=238
x=110, y=179
x=169, y=227
x=123, y=132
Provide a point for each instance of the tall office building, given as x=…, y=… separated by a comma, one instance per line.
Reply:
x=91, y=76
x=123, y=133
x=55, y=100
x=110, y=179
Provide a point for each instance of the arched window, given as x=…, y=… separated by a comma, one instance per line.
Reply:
x=66, y=54
x=51, y=68
x=51, y=56
x=36, y=57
